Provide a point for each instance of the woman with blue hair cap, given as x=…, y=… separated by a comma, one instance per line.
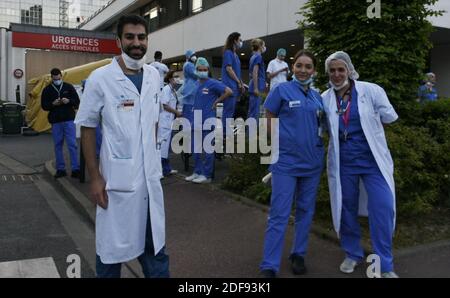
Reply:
x=360, y=166
x=208, y=93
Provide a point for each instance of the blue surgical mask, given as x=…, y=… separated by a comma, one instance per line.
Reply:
x=57, y=82
x=202, y=74
x=303, y=83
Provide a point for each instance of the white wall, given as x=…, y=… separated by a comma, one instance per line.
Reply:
x=209, y=29
x=440, y=65
x=16, y=59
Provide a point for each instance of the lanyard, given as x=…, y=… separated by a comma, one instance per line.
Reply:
x=344, y=112
x=59, y=91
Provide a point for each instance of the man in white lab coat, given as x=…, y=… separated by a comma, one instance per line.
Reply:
x=124, y=98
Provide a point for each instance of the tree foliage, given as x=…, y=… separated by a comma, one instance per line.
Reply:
x=391, y=50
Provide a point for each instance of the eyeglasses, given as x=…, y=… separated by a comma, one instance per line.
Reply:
x=131, y=36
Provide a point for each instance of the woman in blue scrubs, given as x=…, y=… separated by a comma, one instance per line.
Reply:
x=358, y=152
x=296, y=174
x=257, y=84
x=231, y=77
x=208, y=94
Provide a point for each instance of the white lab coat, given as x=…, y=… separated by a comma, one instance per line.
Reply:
x=168, y=97
x=129, y=160
x=374, y=109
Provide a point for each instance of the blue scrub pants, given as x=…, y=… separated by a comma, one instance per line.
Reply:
x=284, y=190
x=204, y=162
x=166, y=168
x=60, y=131
x=152, y=266
x=229, y=106
x=381, y=217
x=253, y=107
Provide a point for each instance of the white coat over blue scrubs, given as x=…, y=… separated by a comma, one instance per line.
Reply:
x=129, y=160
x=296, y=174
x=361, y=163
x=206, y=94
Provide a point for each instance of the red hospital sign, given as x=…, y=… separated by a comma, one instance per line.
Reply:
x=64, y=43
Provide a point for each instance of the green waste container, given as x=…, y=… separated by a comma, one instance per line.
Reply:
x=11, y=117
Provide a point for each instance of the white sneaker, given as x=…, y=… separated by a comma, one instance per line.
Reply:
x=390, y=274
x=192, y=177
x=348, y=265
x=173, y=172
x=201, y=179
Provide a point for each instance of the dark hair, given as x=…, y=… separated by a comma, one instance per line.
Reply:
x=229, y=43
x=130, y=19
x=307, y=54
x=158, y=55
x=169, y=76
x=55, y=71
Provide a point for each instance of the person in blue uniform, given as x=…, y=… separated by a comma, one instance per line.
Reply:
x=427, y=92
x=296, y=174
x=209, y=93
x=257, y=84
x=231, y=77
x=188, y=91
x=358, y=152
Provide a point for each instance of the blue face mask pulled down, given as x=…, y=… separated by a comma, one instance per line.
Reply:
x=302, y=83
x=201, y=74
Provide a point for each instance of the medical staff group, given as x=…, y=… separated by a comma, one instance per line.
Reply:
x=135, y=111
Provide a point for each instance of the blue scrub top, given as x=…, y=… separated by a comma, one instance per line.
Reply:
x=230, y=58
x=426, y=95
x=355, y=154
x=189, y=87
x=137, y=80
x=205, y=95
x=257, y=59
x=301, y=150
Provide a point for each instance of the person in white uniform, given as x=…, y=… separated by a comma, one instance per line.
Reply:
x=169, y=100
x=360, y=166
x=161, y=67
x=123, y=97
x=278, y=69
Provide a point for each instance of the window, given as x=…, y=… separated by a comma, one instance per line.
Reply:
x=196, y=6
x=153, y=13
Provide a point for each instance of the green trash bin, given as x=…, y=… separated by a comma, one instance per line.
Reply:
x=11, y=117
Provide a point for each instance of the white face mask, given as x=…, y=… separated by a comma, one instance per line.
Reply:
x=178, y=81
x=57, y=82
x=263, y=50
x=337, y=88
x=240, y=44
x=131, y=63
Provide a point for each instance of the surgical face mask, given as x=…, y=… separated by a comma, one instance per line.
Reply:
x=201, y=74
x=193, y=59
x=337, y=88
x=303, y=83
x=178, y=81
x=131, y=63
x=57, y=82
x=263, y=50
x=240, y=44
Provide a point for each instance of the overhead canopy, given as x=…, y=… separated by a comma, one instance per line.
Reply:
x=36, y=117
